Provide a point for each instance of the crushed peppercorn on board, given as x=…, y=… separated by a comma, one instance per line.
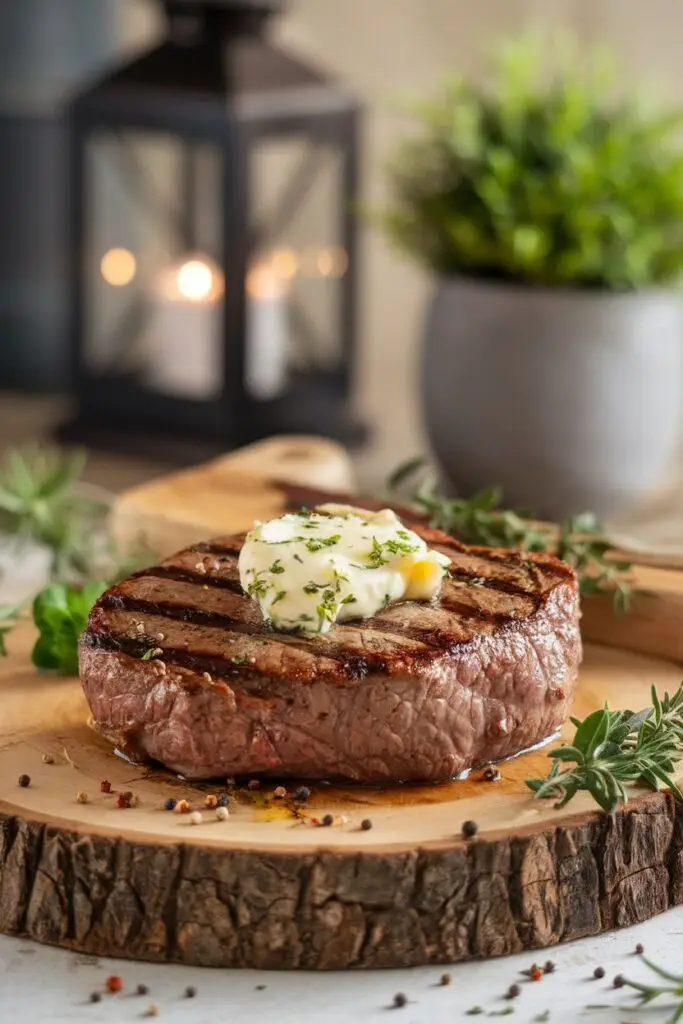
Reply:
x=307, y=570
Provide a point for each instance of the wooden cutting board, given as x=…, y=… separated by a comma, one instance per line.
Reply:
x=270, y=887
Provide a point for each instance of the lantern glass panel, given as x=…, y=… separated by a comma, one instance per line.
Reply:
x=153, y=283
x=297, y=262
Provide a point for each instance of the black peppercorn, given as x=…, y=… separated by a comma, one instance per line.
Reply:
x=548, y=967
x=142, y=990
x=95, y=997
x=366, y=824
x=599, y=972
x=513, y=992
x=328, y=820
x=469, y=829
x=222, y=800
x=619, y=981
x=190, y=992
x=24, y=781
x=445, y=979
x=400, y=999
x=640, y=948
x=302, y=793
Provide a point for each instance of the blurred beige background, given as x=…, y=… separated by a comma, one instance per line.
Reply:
x=385, y=49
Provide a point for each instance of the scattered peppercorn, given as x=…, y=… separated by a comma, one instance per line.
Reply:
x=222, y=813
x=114, y=983
x=535, y=972
x=327, y=820
x=142, y=990
x=445, y=980
x=48, y=759
x=548, y=967
x=95, y=997
x=513, y=992
x=170, y=804
x=599, y=972
x=182, y=807
x=640, y=948
x=134, y=800
x=190, y=992
x=302, y=793
x=253, y=784
x=400, y=999
x=223, y=800
x=341, y=819
x=469, y=829
x=122, y=800
x=260, y=988
x=152, y=1010
x=82, y=797
x=491, y=773
x=24, y=781
x=196, y=818
x=279, y=792
x=105, y=786
x=230, y=783
x=619, y=981
x=211, y=801
x=366, y=824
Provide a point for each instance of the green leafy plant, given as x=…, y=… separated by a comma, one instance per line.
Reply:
x=542, y=179
x=61, y=614
x=44, y=502
x=483, y=520
x=612, y=749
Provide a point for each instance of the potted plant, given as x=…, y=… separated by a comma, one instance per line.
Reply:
x=552, y=216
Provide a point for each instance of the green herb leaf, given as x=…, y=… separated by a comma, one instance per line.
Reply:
x=152, y=652
x=614, y=749
x=61, y=614
x=9, y=616
x=323, y=542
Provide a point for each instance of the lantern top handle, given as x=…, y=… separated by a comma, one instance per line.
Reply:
x=220, y=18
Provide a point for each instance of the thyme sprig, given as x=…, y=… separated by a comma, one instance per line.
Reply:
x=648, y=993
x=612, y=749
x=482, y=519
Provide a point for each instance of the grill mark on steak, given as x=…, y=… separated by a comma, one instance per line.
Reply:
x=504, y=585
x=172, y=572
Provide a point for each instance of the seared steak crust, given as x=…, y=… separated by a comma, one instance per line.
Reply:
x=418, y=692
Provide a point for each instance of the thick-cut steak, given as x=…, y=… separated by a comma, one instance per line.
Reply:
x=418, y=692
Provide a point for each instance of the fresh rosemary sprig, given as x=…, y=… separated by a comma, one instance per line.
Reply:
x=482, y=520
x=612, y=749
x=648, y=993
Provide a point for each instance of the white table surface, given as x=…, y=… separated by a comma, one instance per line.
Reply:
x=40, y=984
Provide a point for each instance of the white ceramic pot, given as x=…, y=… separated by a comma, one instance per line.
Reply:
x=569, y=400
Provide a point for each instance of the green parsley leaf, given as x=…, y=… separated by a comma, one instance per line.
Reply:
x=277, y=567
x=322, y=542
x=237, y=660
x=349, y=599
x=278, y=597
x=153, y=652
x=61, y=614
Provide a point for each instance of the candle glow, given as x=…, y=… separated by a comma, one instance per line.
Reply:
x=118, y=267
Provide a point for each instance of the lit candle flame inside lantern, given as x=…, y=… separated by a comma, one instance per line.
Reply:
x=331, y=262
x=118, y=267
x=196, y=280
x=284, y=263
x=264, y=282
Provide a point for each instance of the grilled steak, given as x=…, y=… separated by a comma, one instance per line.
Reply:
x=418, y=692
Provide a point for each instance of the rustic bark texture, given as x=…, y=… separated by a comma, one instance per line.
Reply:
x=223, y=908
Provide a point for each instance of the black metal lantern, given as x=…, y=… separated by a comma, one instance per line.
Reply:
x=213, y=255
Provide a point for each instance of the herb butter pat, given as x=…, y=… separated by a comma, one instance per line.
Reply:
x=308, y=570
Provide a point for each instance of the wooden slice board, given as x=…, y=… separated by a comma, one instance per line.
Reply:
x=269, y=889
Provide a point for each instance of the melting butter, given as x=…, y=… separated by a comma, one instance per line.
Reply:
x=307, y=570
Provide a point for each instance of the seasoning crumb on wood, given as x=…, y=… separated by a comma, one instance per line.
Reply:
x=211, y=801
x=445, y=980
x=95, y=997
x=114, y=983
x=549, y=967
x=152, y=1010
x=142, y=990
x=492, y=773
x=82, y=797
x=105, y=786
x=640, y=948
x=24, y=781
x=327, y=821
x=400, y=999
x=48, y=759
x=190, y=992
x=366, y=824
x=196, y=818
x=469, y=829
x=279, y=792
x=222, y=813
x=302, y=793
x=619, y=981
x=513, y=992
x=182, y=807
x=170, y=804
